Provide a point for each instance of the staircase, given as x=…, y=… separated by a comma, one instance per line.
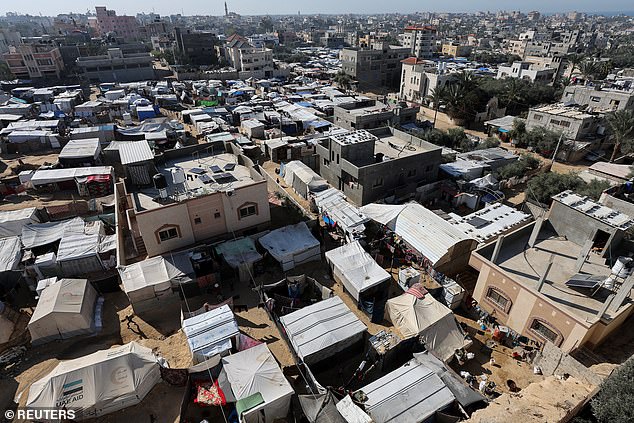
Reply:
x=140, y=246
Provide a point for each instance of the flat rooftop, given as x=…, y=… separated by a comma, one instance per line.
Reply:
x=526, y=265
x=204, y=175
x=561, y=110
x=393, y=147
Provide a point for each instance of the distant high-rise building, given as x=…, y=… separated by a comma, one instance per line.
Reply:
x=122, y=26
x=420, y=39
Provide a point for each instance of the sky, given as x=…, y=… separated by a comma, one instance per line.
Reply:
x=272, y=7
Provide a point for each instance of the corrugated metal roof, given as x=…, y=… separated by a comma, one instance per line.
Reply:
x=135, y=152
x=490, y=222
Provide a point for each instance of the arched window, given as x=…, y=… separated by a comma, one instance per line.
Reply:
x=167, y=232
x=499, y=299
x=247, y=209
x=545, y=331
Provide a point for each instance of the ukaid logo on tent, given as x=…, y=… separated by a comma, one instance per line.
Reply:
x=71, y=392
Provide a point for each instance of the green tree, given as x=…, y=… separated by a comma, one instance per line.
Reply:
x=343, y=80
x=525, y=163
x=574, y=59
x=489, y=142
x=589, y=69
x=5, y=72
x=613, y=402
x=437, y=97
x=542, y=187
x=621, y=124
x=518, y=132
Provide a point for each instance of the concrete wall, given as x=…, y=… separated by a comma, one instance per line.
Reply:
x=151, y=221
x=554, y=361
x=617, y=204
x=256, y=194
x=576, y=226
x=205, y=209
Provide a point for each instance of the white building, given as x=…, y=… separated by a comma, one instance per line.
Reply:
x=528, y=71
x=419, y=77
x=256, y=62
x=420, y=39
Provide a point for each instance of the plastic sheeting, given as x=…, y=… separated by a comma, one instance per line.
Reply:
x=99, y=383
x=321, y=330
x=255, y=370
x=149, y=278
x=36, y=235
x=320, y=408
x=52, y=176
x=65, y=309
x=302, y=178
x=349, y=218
x=429, y=319
x=355, y=268
x=78, y=253
x=12, y=222
x=10, y=253
x=411, y=393
x=79, y=149
x=292, y=245
x=210, y=333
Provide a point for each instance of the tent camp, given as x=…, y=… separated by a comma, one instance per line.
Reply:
x=78, y=153
x=429, y=319
x=257, y=383
x=36, y=235
x=292, y=245
x=11, y=222
x=65, y=309
x=411, y=393
x=356, y=269
x=240, y=254
x=211, y=333
x=99, y=383
x=148, y=283
x=302, y=178
x=10, y=253
x=321, y=330
x=336, y=211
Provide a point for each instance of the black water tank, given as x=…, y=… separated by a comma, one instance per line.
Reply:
x=159, y=181
x=378, y=158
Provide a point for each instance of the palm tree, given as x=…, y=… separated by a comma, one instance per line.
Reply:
x=621, y=124
x=343, y=80
x=466, y=80
x=513, y=94
x=574, y=60
x=588, y=69
x=437, y=96
x=455, y=101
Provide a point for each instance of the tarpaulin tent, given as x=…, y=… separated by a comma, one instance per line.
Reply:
x=355, y=268
x=255, y=371
x=411, y=393
x=65, y=309
x=335, y=210
x=36, y=235
x=78, y=253
x=429, y=319
x=323, y=329
x=320, y=408
x=302, y=178
x=12, y=222
x=78, y=152
x=10, y=253
x=211, y=333
x=99, y=383
x=292, y=245
x=240, y=254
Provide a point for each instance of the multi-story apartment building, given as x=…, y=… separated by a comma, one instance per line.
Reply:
x=527, y=71
x=419, y=77
x=369, y=114
x=252, y=61
x=455, y=50
x=375, y=68
x=116, y=66
x=197, y=47
x=420, y=40
x=123, y=26
x=599, y=99
x=8, y=38
x=34, y=60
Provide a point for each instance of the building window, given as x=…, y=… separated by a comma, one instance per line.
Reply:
x=545, y=331
x=538, y=117
x=248, y=209
x=217, y=215
x=378, y=182
x=411, y=172
x=498, y=299
x=197, y=221
x=168, y=233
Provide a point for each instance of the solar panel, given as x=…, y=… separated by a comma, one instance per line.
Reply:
x=581, y=280
x=215, y=169
x=224, y=178
x=478, y=222
x=205, y=179
x=230, y=166
x=197, y=171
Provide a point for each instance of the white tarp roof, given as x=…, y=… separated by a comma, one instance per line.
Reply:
x=210, y=333
x=355, y=268
x=51, y=176
x=238, y=252
x=10, y=253
x=255, y=370
x=292, y=245
x=490, y=222
x=333, y=203
x=135, y=152
x=77, y=245
x=12, y=222
x=147, y=278
x=35, y=235
x=411, y=393
x=98, y=383
x=422, y=229
x=429, y=319
x=321, y=330
x=302, y=178
x=78, y=149
x=65, y=309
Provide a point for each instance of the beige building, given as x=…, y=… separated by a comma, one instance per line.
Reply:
x=419, y=77
x=206, y=197
x=455, y=50
x=549, y=281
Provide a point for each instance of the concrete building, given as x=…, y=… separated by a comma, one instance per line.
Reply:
x=420, y=40
x=375, y=68
x=574, y=123
x=34, y=60
x=263, y=40
x=369, y=166
x=527, y=71
x=599, y=99
x=206, y=197
x=419, y=77
x=553, y=280
x=455, y=50
x=123, y=26
x=117, y=66
x=251, y=61
x=368, y=114
x=197, y=47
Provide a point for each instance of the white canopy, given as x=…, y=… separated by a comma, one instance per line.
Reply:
x=321, y=330
x=149, y=278
x=52, y=176
x=99, y=383
x=10, y=253
x=65, y=309
x=355, y=268
x=12, y=222
x=302, y=178
x=425, y=231
x=292, y=245
x=79, y=149
x=411, y=393
x=78, y=253
x=255, y=371
x=332, y=202
x=429, y=319
x=36, y=235
x=210, y=333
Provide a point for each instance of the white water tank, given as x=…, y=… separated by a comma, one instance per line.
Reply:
x=178, y=175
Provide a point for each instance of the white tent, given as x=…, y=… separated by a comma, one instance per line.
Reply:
x=81, y=149
x=11, y=222
x=255, y=371
x=332, y=205
x=355, y=268
x=321, y=330
x=10, y=253
x=149, y=282
x=429, y=319
x=210, y=333
x=65, y=309
x=302, y=178
x=411, y=393
x=292, y=245
x=99, y=383
x=78, y=253
x=39, y=234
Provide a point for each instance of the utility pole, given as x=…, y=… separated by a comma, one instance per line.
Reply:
x=557, y=148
